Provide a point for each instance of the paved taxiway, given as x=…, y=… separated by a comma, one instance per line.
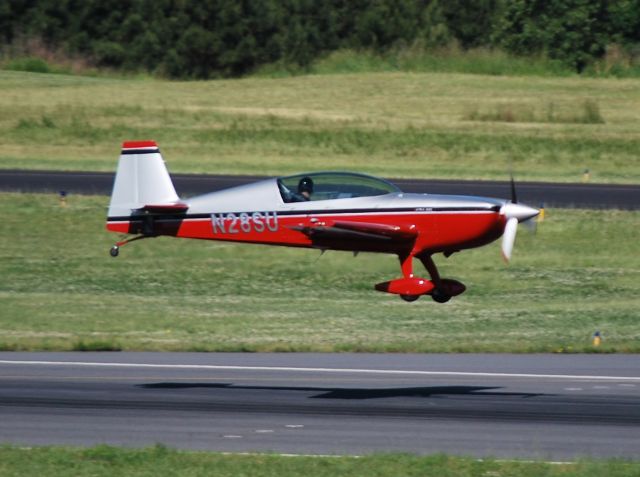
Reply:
x=544, y=406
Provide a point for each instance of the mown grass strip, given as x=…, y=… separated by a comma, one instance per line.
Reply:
x=62, y=291
x=159, y=460
x=390, y=124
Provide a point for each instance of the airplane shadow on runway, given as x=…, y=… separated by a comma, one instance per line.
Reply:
x=356, y=393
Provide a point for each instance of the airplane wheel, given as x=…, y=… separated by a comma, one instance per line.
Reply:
x=409, y=298
x=115, y=250
x=440, y=297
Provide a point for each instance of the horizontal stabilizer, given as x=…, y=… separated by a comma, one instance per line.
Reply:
x=166, y=208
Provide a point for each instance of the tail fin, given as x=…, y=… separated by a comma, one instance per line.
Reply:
x=142, y=180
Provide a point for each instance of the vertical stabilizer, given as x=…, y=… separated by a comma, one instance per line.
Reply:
x=142, y=179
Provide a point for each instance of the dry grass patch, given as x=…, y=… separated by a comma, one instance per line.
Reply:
x=588, y=112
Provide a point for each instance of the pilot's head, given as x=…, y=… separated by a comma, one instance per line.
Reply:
x=305, y=187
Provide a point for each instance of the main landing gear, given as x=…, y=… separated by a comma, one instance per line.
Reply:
x=440, y=296
x=410, y=287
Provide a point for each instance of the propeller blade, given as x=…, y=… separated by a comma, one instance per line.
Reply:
x=514, y=197
x=509, y=238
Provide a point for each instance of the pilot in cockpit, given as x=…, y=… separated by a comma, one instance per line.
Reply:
x=305, y=188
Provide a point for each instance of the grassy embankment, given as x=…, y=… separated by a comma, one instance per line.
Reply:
x=391, y=124
x=108, y=461
x=61, y=290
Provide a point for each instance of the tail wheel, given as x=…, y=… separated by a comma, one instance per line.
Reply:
x=115, y=250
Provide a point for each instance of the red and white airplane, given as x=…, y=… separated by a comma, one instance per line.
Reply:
x=321, y=210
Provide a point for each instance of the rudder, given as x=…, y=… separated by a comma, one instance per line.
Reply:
x=141, y=180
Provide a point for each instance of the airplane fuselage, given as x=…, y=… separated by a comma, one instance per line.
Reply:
x=441, y=223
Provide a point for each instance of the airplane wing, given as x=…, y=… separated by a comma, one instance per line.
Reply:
x=340, y=230
x=397, y=232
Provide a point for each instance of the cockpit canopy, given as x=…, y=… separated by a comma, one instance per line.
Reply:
x=332, y=185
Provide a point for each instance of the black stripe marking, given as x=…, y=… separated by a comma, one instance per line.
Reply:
x=146, y=150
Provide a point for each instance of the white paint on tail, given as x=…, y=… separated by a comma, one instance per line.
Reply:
x=141, y=179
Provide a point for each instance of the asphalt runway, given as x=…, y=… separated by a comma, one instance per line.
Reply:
x=585, y=196
x=554, y=407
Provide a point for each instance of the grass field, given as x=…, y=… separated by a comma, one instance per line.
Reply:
x=439, y=125
x=61, y=290
x=109, y=461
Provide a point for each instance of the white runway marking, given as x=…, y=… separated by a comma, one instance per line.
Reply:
x=324, y=370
